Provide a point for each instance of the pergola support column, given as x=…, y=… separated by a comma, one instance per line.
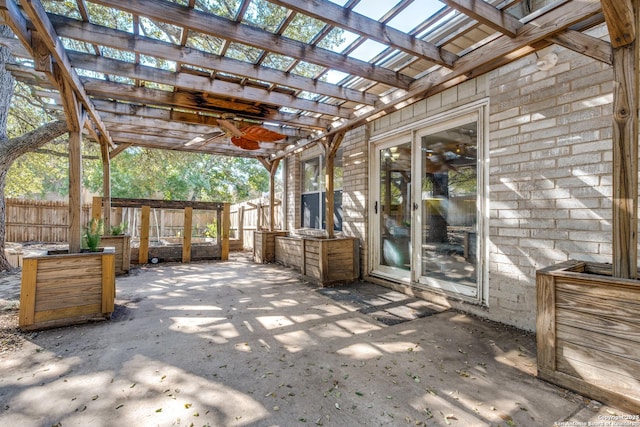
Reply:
x=272, y=167
x=330, y=149
x=75, y=191
x=622, y=22
x=106, y=187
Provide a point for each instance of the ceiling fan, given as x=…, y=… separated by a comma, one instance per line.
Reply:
x=250, y=137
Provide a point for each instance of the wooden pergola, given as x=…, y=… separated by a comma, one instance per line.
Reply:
x=187, y=103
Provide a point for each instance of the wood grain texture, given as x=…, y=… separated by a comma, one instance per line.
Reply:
x=75, y=192
x=226, y=226
x=108, y=283
x=60, y=290
x=143, y=254
x=122, y=245
x=620, y=21
x=588, y=332
x=28, y=292
x=186, y=239
x=625, y=161
x=545, y=321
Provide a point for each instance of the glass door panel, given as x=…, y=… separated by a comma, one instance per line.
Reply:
x=393, y=207
x=449, y=205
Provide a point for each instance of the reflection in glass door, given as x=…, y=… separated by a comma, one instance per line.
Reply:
x=393, y=209
x=449, y=196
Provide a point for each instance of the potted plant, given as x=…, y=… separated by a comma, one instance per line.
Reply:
x=118, y=230
x=92, y=235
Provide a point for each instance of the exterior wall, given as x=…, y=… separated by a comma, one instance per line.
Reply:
x=550, y=167
x=550, y=175
x=355, y=192
x=293, y=179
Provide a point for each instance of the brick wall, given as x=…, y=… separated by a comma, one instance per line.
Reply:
x=355, y=191
x=549, y=173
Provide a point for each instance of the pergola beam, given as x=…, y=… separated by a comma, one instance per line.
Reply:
x=39, y=19
x=195, y=20
x=487, y=14
x=91, y=33
x=359, y=24
x=584, y=44
x=204, y=84
x=196, y=101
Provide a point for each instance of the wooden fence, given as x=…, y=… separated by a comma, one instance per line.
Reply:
x=39, y=220
x=47, y=221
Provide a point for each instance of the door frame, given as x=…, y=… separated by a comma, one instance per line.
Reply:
x=375, y=267
x=409, y=132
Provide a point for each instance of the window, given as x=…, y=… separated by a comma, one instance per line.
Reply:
x=313, y=193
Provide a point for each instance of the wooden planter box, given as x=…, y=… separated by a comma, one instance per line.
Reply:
x=325, y=262
x=588, y=332
x=122, y=245
x=264, y=245
x=65, y=289
x=173, y=253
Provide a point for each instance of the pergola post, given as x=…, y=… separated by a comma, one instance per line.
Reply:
x=330, y=149
x=622, y=20
x=272, y=167
x=75, y=191
x=106, y=187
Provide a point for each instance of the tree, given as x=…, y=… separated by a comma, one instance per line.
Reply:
x=12, y=148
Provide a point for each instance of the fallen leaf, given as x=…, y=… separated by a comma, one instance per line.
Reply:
x=120, y=406
x=187, y=405
x=159, y=410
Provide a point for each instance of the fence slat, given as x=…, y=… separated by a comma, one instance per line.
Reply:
x=47, y=221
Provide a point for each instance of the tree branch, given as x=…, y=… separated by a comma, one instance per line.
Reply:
x=11, y=149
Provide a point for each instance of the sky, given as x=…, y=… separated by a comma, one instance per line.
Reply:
x=416, y=13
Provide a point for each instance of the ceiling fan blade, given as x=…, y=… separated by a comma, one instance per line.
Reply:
x=204, y=138
x=260, y=134
x=244, y=143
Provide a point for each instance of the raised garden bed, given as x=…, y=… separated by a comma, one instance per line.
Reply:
x=588, y=332
x=64, y=289
x=122, y=245
x=168, y=251
x=323, y=261
x=264, y=245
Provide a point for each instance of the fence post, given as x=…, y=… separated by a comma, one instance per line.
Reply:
x=186, y=239
x=143, y=253
x=241, y=225
x=226, y=222
x=96, y=208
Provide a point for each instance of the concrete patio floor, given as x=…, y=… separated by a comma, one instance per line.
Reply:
x=242, y=344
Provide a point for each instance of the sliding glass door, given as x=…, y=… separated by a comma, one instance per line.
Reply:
x=450, y=205
x=392, y=210
x=428, y=204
